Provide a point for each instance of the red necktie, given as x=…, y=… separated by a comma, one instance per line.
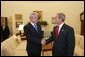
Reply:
x=56, y=31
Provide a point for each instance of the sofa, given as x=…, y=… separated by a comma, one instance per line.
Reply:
x=79, y=45
x=14, y=46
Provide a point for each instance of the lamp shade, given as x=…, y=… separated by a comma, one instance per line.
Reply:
x=21, y=27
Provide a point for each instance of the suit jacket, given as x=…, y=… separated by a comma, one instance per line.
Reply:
x=64, y=44
x=5, y=33
x=33, y=38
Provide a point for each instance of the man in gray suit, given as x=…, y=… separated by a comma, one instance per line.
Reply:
x=34, y=35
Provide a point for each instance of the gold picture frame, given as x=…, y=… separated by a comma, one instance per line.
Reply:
x=82, y=16
x=53, y=20
x=18, y=19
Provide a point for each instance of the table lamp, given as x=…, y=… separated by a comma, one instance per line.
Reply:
x=21, y=26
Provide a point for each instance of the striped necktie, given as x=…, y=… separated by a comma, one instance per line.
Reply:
x=35, y=26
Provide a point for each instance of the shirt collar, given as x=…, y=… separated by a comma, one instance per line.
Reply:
x=32, y=23
x=61, y=25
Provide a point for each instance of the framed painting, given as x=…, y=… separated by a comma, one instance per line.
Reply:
x=18, y=19
x=53, y=20
x=82, y=16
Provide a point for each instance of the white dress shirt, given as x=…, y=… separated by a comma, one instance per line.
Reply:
x=60, y=26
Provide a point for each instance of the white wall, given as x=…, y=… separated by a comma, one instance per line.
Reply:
x=72, y=10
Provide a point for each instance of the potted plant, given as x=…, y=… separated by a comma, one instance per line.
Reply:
x=43, y=23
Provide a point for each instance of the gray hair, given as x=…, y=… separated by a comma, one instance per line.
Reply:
x=35, y=13
x=61, y=16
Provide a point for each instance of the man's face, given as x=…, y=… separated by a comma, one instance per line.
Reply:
x=58, y=21
x=34, y=18
x=3, y=22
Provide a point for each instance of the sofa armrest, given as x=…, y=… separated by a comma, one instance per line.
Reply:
x=78, y=51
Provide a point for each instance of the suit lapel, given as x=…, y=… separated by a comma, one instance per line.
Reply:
x=32, y=28
x=38, y=28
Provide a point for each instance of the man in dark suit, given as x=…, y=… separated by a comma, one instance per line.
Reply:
x=63, y=38
x=34, y=35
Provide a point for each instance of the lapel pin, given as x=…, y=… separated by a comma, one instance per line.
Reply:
x=62, y=30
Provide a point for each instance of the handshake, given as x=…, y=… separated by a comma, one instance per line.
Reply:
x=43, y=41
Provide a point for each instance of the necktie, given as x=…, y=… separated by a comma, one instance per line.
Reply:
x=56, y=31
x=35, y=26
